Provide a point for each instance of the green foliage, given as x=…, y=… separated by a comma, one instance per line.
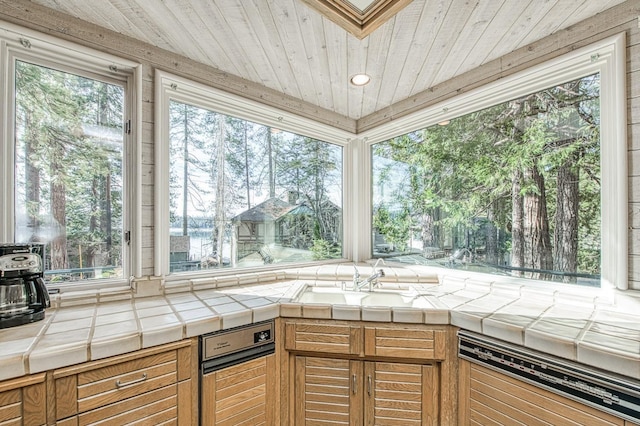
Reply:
x=395, y=226
x=323, y=249
x=70, y=151
x=455, y=182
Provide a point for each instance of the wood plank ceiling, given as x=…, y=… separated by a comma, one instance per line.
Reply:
x=290, y=47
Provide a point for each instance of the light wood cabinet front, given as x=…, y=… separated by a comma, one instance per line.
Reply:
x=23, y=401
x=152, y=386
x=409, y=342
x=491, y=398
x=363, y=373
x=327, y=391
x=240, y=395
x=323, y=337
x=400, y=394
x=349, y=392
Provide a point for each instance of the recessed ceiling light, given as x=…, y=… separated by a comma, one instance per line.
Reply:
x=360, y=79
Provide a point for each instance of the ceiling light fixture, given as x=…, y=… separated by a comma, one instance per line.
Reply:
x=360, y=79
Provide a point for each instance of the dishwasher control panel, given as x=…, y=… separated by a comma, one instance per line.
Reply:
x=236, y=340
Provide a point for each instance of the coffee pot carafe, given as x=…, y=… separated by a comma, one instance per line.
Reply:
x=23, y=294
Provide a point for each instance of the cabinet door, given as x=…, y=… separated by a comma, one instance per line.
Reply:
x=400, y=394
x=244, y=394
x=22, y=401
x=327, y=391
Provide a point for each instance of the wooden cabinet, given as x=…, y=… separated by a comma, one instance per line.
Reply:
x=325, y=337
x=327, y=391
x=405, y=342
x=353, y=373
x=152, y=386
x=488, y=397
x=240, y=395
x=390, y=341
x=401, y=394
x=349, y=392
x=23, y=401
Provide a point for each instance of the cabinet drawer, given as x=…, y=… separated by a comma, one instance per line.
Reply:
x=322, y=337
x=102, y=383
x=121, y=381
x=415, y=343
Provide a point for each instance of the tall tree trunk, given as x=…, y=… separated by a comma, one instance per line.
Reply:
x=247, y=181
x=96, y=198
x=103, y=120
x=565, y=239
x=491, y=247
x=58, y=212
x=426, y=231
x=272, y=180
x=318, y=191
x=517, y=223
x=185, y=174
x=108, y=218
x=32, y=175
x=220, y=189
x=536, y=225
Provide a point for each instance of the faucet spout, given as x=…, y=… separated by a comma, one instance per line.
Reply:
x=356, y=277
x=370, y=282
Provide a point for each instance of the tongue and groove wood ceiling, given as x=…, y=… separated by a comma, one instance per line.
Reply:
x=303, y=49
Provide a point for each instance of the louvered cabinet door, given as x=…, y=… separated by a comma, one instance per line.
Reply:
x=488, y=397
x=400, y=394
x=241, y=395
x=327, y=391
x=23, y=401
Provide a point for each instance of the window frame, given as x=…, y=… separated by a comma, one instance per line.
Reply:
x=170, y=87
x=21, y=44
x=607, y=57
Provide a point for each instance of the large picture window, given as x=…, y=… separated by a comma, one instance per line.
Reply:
x=67, y=149
x=512, y=189
x=241, y=194
x=522, y=178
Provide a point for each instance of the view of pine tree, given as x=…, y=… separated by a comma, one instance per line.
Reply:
x=69, y=150
x=224, y=167
x=513, y=186
x=191, y=133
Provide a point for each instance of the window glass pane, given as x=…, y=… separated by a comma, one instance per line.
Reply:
x=512, y=190
x=244, y=194
x=69, y=178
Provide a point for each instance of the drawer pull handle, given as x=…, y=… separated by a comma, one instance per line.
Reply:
x=119, y=384
x=355, y=384
x=369, y=384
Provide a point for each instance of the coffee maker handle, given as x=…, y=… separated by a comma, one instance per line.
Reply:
x=43, y=294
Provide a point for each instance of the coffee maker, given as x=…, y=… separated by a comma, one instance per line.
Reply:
x=23, y=294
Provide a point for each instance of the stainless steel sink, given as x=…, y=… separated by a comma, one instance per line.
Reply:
x=378, y=297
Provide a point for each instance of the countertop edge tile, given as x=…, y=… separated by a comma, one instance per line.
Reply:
x=286, y=286
x=626, y=363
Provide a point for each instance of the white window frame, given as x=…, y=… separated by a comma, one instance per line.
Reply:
x=17, y=43
x=606, y=57
x=170, y=87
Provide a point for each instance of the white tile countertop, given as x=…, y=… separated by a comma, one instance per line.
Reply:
x=593, y=326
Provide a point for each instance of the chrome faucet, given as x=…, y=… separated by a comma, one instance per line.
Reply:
x=371, y=281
